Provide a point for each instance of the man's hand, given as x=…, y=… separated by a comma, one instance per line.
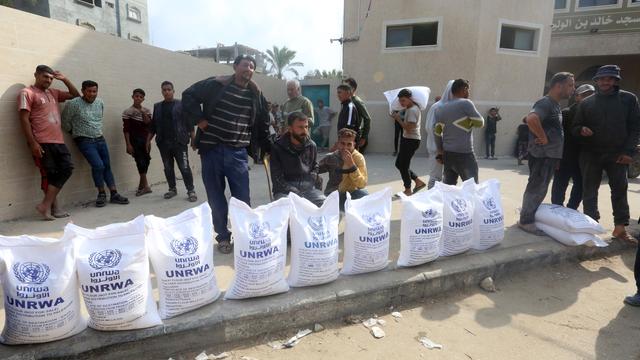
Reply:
x=396, y=116
x=203, y=124
x=361, y=142
x=585, y=131
x=129, y=149
x=347, y=159
x=36, y=150
x=624, y=160
x=146, y=116
x=59, y=76
x=542, y=141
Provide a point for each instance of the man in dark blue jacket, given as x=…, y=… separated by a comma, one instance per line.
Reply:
x=231, y=114
x=173, y=133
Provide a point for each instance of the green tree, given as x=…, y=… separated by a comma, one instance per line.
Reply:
x=281, y=61
x=324, y=74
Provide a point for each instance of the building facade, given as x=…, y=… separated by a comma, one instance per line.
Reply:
x=589, y=33
x=227, y=54
x=122, y=18
x=500, y=46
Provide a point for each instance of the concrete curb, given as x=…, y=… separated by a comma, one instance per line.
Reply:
x=233, y=320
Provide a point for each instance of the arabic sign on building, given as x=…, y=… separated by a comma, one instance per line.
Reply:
x=628, y=21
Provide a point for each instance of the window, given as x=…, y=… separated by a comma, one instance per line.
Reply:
x=634, y=3
x=560, y=4
x=518, y=37
x=91, y=3
x=134, y=14
x=586, y=5
x=413, y=34
x=135, y=38
x=87, y=25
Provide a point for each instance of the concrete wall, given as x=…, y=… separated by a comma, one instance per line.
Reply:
x=577, y=65
x=468, y=49
x=118, y=65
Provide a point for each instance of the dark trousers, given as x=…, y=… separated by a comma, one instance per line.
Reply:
x=355, y=195
x=316, y=196
x=490, y=142
x=569, y=170
x=220, y=163
x=96, y=152
x=636, y=269
x=397, y=135
x=460, y=165
x=541, y=172
x=592, y=166
x=179, y=154
x=140, y=154
x=408, y=147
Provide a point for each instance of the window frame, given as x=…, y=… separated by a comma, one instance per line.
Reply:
x=135, y=10
x=90, y=4
x=632, y=4
x=566, y=9
x=408, y=22
x=538, y=33
x=578, y=8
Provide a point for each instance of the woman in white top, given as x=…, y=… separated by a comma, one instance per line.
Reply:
x=410, y=141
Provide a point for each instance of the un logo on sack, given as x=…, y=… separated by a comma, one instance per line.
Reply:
x=373, y=219
x=459, y=205
x=31, y=273
x=429, y=214
x=259, y=230
x=317, y=223
x=489, y=204
x=105, y=259
x=184, y=247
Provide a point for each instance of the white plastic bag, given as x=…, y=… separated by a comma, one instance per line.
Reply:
x=568, y=220
x=260, y=248
x=419, y=95
x=367, y=232
x=489, y=215
x=572, y=239
x=314, y=241
x=41, y=300
x=181, y=253
x=421, y=228
x=113, y=272
x=457, y=232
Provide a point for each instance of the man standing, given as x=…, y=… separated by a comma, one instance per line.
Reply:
x=365, y=118
x=40, y=120
x=490, y=133
x=545, y=147
x=325, y=115
x=294, y=168
x=297, y=102
x=231, y=113
x=455, y=121
x=348, y=117
x=607, y=125
x=135, y=125
x=569, y=166
x=173, y=133
x=83, y=118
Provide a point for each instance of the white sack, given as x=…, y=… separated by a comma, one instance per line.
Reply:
x=488, y=216
x=419, y=95
x=457, y=232
x=572, y=239
x=568, y=220
x=41, y=300
x=113, y=272
x=367, y=232
x=260, y=248
x=181, y=253
x=421, y=228
x=314, y=241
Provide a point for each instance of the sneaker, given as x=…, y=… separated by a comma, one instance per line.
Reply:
x=192, y=196
x=633, y=300
x=101, y=201
x=118, y=199
x=171, y=193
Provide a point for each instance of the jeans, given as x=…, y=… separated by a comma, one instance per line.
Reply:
x=96, y=152
x=636, y=269
x=179, y=153
x=592, y=166
x=355, y=195
x=222, y=162
x=569, y=169
x=490, y=142
x=541, y=172
x=460, y=165
x=309, y=192
x=408, y=147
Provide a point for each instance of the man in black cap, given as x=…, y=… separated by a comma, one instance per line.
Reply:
x=608, y=126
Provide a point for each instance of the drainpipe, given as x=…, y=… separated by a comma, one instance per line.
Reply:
x=118, y=28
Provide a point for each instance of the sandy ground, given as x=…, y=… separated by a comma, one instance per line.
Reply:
x=568, y=311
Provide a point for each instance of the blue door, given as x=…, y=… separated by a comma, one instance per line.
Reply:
x=313, y=93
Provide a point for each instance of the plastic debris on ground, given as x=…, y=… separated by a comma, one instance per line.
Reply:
x=396, y=315
x=429, y=344
x=487, y=284
x=318, y=328
x=353, y=319
x=203, y=356
x=292, y=341
x=370, y=322
x=377, y=332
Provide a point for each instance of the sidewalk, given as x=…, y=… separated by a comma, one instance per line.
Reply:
x=233, y=320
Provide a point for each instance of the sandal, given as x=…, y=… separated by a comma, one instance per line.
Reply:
x=625, y=237
x=143, y=191
x=118, y=199
x=171, y=193
x=418, y=188
x=225, y=247
x=60, y=215
x=191, y=195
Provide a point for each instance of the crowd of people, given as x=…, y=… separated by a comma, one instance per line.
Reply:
x=228, y=119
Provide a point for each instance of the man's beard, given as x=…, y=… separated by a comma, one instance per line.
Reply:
x=301, y=138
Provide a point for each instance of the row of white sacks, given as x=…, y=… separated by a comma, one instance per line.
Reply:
x=110, y=264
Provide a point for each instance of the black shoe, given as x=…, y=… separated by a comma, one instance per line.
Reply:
x=633, y=300
x=101, y=201
x=118, y=199
x=192, y=196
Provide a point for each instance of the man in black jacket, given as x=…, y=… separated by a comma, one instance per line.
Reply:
x=231, y=114
x=348, y=116
x=608, y=126
x=294, y=168
x=173, y=133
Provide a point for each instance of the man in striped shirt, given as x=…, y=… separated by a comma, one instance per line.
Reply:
x=231, y=114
